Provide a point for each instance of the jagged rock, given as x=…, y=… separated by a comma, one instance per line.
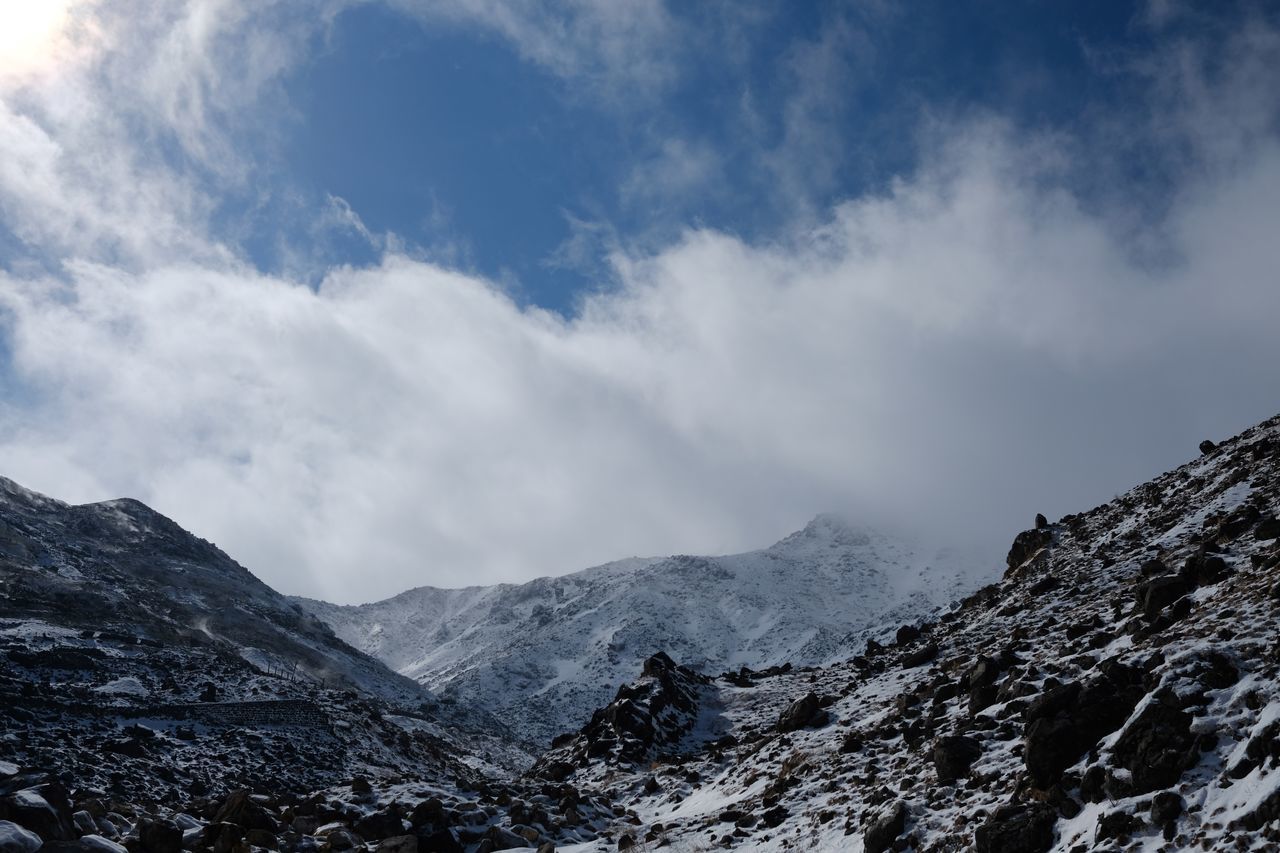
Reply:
x=1065, y=722
x=802, y=713
x=1017, y=829
x=774, y=816
x=626, y=841
x=1157, y=746
x=886, y=828
x=1025, y=545
x=906, y=634
x=1041, y=521
x=1207, y=447
x=954, y=755
x=1203, y=569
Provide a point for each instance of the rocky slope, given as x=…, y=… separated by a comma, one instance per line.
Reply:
x=543, y=655
x=1118, y=689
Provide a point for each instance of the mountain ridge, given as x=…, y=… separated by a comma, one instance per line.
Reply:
x=542, y=655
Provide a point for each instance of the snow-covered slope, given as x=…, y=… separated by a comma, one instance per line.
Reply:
x=1118, y=689
x=543, y=655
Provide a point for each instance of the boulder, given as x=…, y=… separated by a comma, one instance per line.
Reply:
x=1166, y=806
x=886, y=828
x=1017, y=829
x=1026, y=545
x=1156, y=594
x=920, y=656
x=803, y=712
x=15, y=839
x=398, y=844
x=954, y=755
x=1268, y=528
x=1157, y=746
x=160, y=836
x=1118, y=825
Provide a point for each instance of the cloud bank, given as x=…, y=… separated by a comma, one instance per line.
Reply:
x=979, y=342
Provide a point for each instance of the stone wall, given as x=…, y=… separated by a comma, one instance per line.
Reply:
x=275, y=712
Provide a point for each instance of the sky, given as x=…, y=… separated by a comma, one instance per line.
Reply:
x=383, y=293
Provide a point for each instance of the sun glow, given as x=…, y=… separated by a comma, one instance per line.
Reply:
x=30, y=32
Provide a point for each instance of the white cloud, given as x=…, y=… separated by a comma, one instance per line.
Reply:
x=970, y=347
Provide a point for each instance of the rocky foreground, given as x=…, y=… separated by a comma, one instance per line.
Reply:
x=1118, y=689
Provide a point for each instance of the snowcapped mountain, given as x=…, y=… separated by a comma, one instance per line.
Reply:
x=543, y=655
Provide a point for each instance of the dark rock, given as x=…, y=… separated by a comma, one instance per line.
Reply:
x=501, y=838
x=440, y=841
x=1157, y=746
x=886, y=828
x=906, y=634
x=1017, y=829
x=429, y=812
x=920, y=656
x=954, y=755
x=44, y=809
x=1166, y=806
x=1156, y=594
x=1025, y=546
x=379, y=825
x=774, y=816
x=1207, y=447
x=1041, y=521
x=626, y=841
x=805, y=711
x=1118, y=825
x=853, y=742
x=1268, y=528
x=1067, y=721
x=160, y=836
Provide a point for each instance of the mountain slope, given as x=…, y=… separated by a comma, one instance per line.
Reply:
x=111, y=612
x=1119, y=688
x=542, y=655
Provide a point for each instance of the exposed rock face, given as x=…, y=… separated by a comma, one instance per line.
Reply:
x=1028, y=544
x=647, y=717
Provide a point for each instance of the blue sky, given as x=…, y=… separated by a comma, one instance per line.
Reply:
x=402, y=292
x=447, y=138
